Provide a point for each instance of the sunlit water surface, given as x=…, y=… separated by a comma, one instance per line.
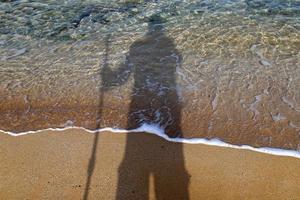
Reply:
x=225, y=69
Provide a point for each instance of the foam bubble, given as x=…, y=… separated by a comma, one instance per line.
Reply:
x=157, y=130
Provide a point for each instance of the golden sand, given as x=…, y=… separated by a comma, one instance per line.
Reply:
x=53, y=165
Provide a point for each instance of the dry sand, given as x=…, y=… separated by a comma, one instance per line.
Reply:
x=53, y=165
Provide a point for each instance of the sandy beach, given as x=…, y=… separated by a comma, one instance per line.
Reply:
x=222, y=74
x=54, y=165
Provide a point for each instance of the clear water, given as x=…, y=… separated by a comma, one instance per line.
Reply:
x=228, y=69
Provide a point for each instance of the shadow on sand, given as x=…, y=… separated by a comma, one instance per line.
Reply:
x=152, y=60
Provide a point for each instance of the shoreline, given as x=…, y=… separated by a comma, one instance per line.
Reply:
x=54, y=165
x=152, y=129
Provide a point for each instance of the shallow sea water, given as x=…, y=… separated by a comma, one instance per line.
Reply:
x=208, y=69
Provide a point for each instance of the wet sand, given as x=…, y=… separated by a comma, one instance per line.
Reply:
x=53, y=165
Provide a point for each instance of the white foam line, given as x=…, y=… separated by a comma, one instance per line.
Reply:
x=156, y=130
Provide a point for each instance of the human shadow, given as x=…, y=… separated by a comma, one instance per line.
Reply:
x=152, y=60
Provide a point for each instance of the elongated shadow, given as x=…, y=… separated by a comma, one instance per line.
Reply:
x=152, y=60
x=91, y=166
x=92, y=160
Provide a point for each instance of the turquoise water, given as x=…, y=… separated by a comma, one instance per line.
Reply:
x=67, y=20
x=235, y=73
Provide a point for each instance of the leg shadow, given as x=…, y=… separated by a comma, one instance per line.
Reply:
x=151, y=156
x=146, y=156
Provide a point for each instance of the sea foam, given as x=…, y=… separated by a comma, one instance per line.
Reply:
x=156, y=130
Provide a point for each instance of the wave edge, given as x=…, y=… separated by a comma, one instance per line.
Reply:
x=156, y=130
